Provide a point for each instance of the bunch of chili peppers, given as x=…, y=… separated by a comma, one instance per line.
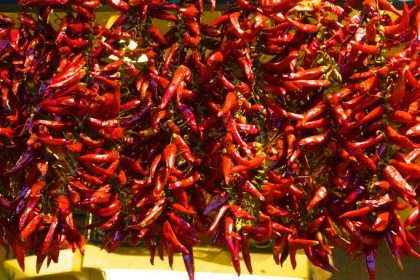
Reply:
x=293, y=123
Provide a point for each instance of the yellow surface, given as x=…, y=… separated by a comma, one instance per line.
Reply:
x=209, y=260
x=212, y=260
x=67, y=262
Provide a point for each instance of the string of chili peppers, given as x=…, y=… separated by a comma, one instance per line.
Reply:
x=291, y=123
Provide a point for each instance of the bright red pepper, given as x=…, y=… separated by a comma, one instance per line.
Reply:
x=398, y=182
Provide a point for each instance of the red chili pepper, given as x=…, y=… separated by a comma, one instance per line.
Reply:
x=183, y=209
x=189, y=262
x=93, y=180
x=152, y=214
x=216, y=202
x=281, y=65
x=385, y=5
x=398, y=91
x=110, y=209
x=78, y=28
x=99, y=196
x=252, y=190
x=399, y=139
x=372, y=115
x=398, y=227
x=112, y=83
x=189, y=116
x=113, y=166
x=304, y=27
x=313, y=112
x=246, y=69
x=98, y=170
x=412, y=156
x=409, y=169
x=104, y=123
x=81, y=187
x=185, y=182
x=70, y=70
x=179, y=222
x=311, y=83
x=169, y=154
x=245, y=251
x=185, y=150
x=234, y=20
x=76, y=42
x=370, y=261
x=377, y=203
x=381, y=222
x=217, y=219
x=31, y=226
x=231, y=128
x=302, y=243
x=404, y=22
x=50, y=235
x=99, y=158
x=354, y=194
x=279, y=247
x=280, y=228
x=279, y=111
x=316, y=224
x=229, y=103
x=155, y=33
x=367, y=143
x=180, y=74
x=390, y=240
x=308, y=74
x=367, y=49
x=240, y=213
x=354, y=213
x=320, y=123
x=274, y=211
x=411, y=79
x=232, y=242
x=314, y=140
x=170, y=57
x=248, y=128
x=118, y=4
x=413, y=131
x=371, y=29
x=403, y=117
x=69, y=80
x=235, y=155
x=111, y=222
x=362, y=157
x=413, y=217
x=398, y=182
x=319, y=195
x=164, y=16
x=27, y=157
x=227, y=165
x=135, y=117
x=169, y=234
x=252, y=164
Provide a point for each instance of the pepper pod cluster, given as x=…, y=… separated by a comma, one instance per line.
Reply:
x=289, y=123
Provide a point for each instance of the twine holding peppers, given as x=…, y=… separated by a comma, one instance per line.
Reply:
x=293, y=123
